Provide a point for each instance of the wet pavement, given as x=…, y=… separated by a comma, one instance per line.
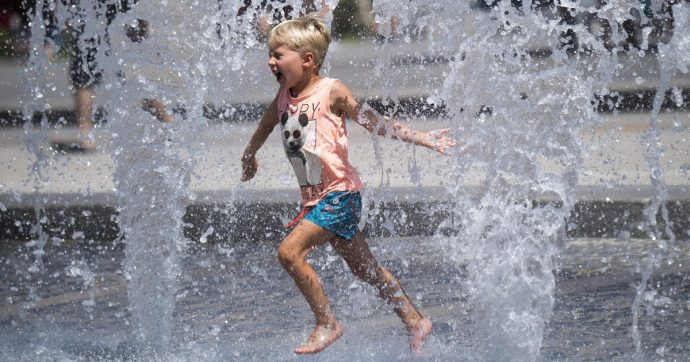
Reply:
x=234, y=302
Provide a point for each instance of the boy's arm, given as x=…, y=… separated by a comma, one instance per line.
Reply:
x=344, y=102
x=263, y=130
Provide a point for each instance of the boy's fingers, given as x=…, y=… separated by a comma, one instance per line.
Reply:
x=249, y=167
x=442, y=143
x=438, y=134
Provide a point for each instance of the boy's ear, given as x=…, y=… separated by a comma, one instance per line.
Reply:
x=308, y=60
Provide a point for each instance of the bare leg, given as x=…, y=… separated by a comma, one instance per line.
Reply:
x=292, y=253
x=157, y=109
x=361, y=261
x=394, y=25
x=83, y=103
x=83, y=98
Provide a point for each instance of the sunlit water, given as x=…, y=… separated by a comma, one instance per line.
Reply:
x=517, y=95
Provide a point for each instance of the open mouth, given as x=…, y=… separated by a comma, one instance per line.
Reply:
x=279, y=76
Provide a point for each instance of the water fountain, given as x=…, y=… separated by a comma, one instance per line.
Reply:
x=526, y=86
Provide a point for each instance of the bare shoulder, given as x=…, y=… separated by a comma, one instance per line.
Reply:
x=342, y=100
x=339, y=90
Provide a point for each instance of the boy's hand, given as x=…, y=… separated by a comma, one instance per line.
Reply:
x=439, y=142
x=249, y=167
x=157, y=109
x=263, y=23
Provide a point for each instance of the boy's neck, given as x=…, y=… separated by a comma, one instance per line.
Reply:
x=305, y=85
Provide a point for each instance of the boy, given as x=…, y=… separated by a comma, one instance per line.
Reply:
x=311, y=111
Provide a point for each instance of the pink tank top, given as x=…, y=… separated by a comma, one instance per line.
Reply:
x=315, y=142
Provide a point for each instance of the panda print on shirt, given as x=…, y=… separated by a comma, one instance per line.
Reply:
x=299, y=140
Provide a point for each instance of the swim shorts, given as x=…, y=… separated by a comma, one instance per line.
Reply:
x=338, y=212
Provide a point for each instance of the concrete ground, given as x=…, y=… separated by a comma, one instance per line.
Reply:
x=618, y=170
x=234, y=302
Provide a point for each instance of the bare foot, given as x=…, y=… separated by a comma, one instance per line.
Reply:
x=320, y=338
x=418, y=335
x=73, y=146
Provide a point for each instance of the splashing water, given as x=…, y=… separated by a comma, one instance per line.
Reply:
x=674, y=58
x=529, y=150
x=518, y=84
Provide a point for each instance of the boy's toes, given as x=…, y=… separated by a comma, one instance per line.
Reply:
x=320, y=338
x=418, y=335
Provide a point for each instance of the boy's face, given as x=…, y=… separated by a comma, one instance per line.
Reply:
x=287, y=65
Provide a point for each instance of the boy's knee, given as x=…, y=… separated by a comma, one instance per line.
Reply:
x=286, y=257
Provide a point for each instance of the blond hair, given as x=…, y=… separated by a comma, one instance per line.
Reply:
x=305, y=34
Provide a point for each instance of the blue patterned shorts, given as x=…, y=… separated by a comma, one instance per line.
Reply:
x=338, y=212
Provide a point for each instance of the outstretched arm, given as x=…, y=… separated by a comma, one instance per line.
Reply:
x=343, y=101
x=263, y=130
